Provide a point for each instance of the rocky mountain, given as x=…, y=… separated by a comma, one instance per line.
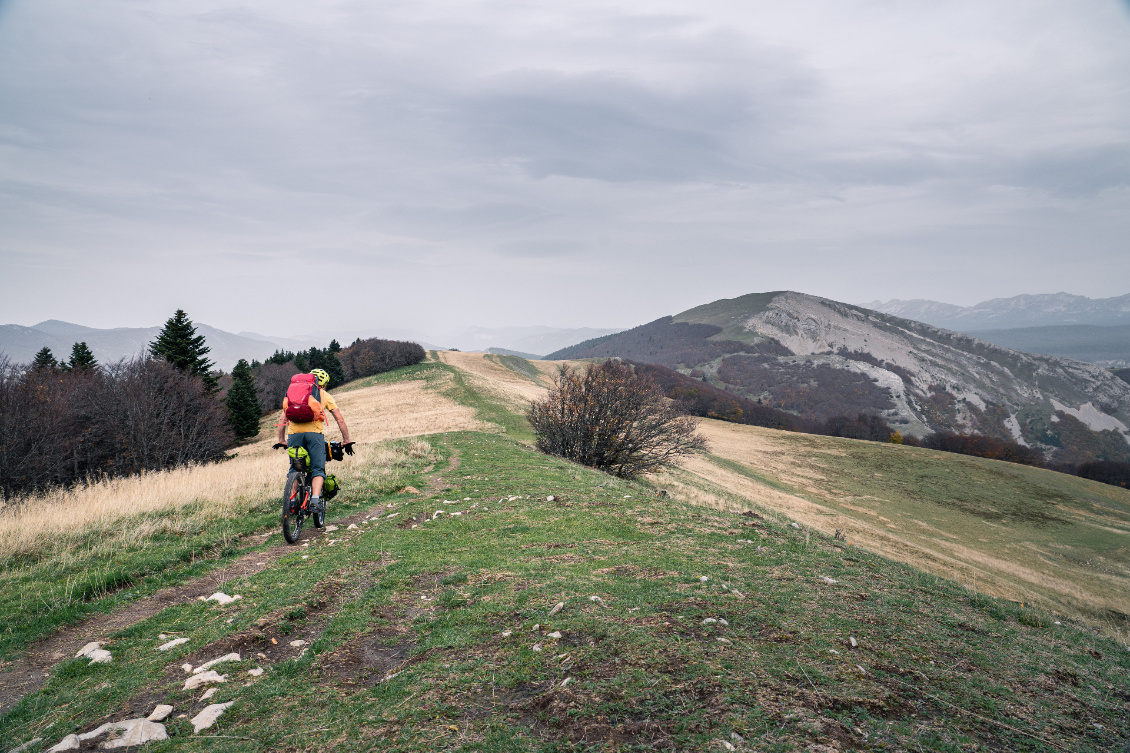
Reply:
x=1043, y=310
x=20, y=344
x=816, y=358
x=1107, y=346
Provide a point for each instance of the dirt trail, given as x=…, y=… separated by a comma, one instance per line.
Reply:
x=27, y=673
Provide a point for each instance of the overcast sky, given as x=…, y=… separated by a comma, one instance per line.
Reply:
x=430, y=165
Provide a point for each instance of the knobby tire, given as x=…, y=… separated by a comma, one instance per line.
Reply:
x=292, y=508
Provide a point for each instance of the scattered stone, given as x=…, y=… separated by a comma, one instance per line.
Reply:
x=255, y=672
x=507, y=633
x=468, y=499
x=100, y=656
x=557, y=608
x=223, y=598
x=745, y=541
x=703, y=578
x=351, y=526
x=160, y=712
x=306, y=556
x=331, y=529
x=555, y=635
x=724, y=745
x=208, y=716
x=261, y=655
x=854, y=642
x=1058, y=622
x=735, y=737
x=162, y=637
x=456, y=514
x=88, y=648
x=551, y=498
x=1096, y=725
x=739, y=594
x=862, y=671
x=208, y=665
x=597, y=600
x=627, y=496
x=208, y=694
x=298, y=643
x=187, y=668
x=204, y=678
x=723, y=622
x=133, y=732
x=537, y=647
x=27, y=745
x=535, y=628
x=829, y=581
x=334, y=541
x=794, y=525
x=70, y=742
x=172, y=644
x=724, y=640
x=834, y=651
x=566, y=681
x=709, y=621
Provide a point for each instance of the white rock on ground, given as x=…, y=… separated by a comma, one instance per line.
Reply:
x=557, y=608
x=330, y=529
x=723, y=622
x=160, y=712
x=223, y=598
x=351, y=526
x=208, y=694
x=187, y=668
x=709, y=621
x=554, y=634
x=209, y=664
x=27, y=745
x=829, y=581
x=92, y=646
x=204, y=678
x=172, y=644
x=133, y=732
x=255, y=672
x=298, y=643
x=100, y=656
x=209, y=715
x=703, y=578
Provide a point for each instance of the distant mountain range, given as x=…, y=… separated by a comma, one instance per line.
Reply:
x=20, y=344
x=532, y=340
x=1043, y=310
x=817, y=358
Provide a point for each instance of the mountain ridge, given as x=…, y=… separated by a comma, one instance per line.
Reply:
x=1029, y=310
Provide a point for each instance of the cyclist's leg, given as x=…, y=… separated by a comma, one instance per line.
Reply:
x=315, y=444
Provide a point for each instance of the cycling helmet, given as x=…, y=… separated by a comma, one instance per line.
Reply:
x=322, y=376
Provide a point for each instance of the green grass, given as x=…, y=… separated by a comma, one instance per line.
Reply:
x=407, y=648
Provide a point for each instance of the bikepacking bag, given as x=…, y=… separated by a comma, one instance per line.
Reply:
x=299, y=458
x=334, y=451
x=302, y=403
x=330, y=487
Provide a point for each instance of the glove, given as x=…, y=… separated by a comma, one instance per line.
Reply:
x=278, y=446
x=347, y=448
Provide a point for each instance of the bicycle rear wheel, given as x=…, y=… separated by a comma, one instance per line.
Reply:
x=292, y=513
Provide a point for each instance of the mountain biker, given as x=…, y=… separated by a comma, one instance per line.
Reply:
x=311, y=436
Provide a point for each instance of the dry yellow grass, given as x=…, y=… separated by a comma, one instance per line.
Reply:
x=256, y=472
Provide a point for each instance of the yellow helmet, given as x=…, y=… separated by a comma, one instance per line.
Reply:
x=322, y=376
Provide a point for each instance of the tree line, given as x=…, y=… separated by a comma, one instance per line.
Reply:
x=73, y=420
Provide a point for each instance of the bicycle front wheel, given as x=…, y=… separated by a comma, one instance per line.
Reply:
x=293, y=494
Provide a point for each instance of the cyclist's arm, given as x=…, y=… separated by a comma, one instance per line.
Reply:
x=283, y=423
x=341, y=424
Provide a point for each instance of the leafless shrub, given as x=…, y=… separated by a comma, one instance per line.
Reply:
x=271, y=381
x=375, y=356
x=610, y=418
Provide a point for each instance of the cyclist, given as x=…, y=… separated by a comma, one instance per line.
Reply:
x=311, y=436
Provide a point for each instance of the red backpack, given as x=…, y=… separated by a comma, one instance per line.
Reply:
x=302, y=403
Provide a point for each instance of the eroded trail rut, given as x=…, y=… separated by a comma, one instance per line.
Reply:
x=29, y=671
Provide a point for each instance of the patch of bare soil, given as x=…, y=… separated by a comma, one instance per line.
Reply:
x=28, y=672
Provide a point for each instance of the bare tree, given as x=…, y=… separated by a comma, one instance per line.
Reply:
x=610, y=418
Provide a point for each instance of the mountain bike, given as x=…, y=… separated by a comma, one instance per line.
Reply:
x=299, y=489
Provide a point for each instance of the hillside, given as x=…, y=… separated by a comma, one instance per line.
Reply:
x=1043, y=310
x=687, y=618
x=817, y=358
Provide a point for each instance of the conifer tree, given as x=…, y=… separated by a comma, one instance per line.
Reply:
x=81, y=358
x=179, y=344
x=44, y=360
x=243, y=402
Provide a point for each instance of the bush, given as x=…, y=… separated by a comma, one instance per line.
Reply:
x=979, y=446
x=271, y=381
x=375, y=356
x=57, y=427
x=611, y=418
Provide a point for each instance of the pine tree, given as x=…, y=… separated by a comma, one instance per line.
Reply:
x=179, y=344
x=335, y=346
x=243, y=402
x=300, y=363
x=81, y=358
x=44, y=360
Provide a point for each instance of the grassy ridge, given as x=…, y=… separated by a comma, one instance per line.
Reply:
x=408, y=647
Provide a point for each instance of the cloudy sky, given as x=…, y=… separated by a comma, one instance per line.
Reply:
x=430, y=165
